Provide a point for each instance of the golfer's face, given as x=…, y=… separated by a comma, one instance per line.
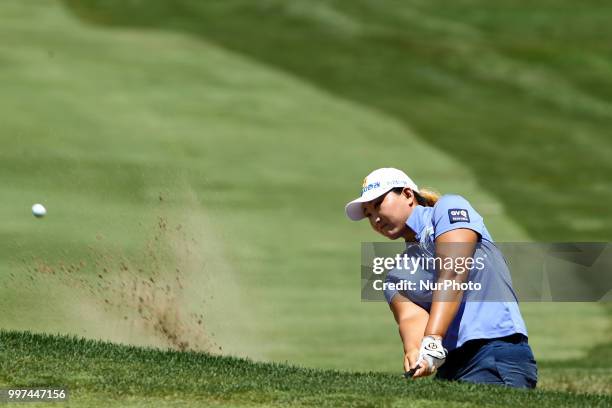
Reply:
x=388, y=214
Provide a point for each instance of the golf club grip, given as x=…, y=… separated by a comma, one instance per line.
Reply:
x=410, y=373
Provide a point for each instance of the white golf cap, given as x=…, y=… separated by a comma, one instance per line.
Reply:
x=376, y=184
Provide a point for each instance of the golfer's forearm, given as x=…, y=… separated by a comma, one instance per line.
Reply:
x=445, y=305
x=440, y=318
x=410, y=334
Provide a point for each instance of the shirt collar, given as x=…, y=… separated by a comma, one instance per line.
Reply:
x=416, y=221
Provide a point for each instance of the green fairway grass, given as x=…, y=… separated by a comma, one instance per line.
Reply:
x=522, y=104
x=103, y=374
x=248, y=151
x=518, y=92
x=202, y=139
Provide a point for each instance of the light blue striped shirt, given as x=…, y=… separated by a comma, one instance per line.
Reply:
x=487, y=313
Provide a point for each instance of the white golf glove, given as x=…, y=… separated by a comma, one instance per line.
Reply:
x=432, y=352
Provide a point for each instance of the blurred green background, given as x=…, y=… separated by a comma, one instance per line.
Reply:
x=252, y=123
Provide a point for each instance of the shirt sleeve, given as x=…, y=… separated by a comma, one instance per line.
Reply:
x=454, y=212
x=390, y=293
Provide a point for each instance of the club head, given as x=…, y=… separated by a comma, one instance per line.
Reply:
x=410, y=373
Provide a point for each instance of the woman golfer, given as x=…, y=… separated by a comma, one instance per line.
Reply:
x=459, y=318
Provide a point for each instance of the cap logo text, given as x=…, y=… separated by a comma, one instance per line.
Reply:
x=370, y=187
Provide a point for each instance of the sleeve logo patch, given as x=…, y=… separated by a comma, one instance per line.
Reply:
x=458, y=215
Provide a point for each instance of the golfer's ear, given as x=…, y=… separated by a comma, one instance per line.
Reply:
x=407, y=191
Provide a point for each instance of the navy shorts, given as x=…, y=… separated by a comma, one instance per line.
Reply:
x=503, y=361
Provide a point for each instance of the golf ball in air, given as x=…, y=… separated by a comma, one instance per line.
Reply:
x=39, y=210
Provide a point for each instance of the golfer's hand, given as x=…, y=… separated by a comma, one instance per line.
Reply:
x=410, y=359
x=431, y=356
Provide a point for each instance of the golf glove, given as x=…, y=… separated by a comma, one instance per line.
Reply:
x=432, y=352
